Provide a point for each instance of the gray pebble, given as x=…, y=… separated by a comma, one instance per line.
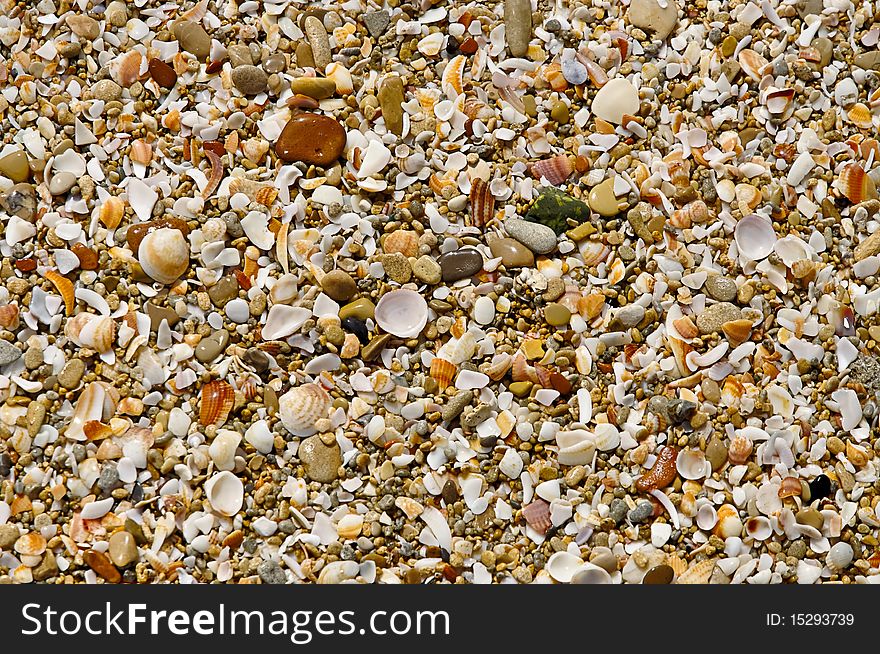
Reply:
x=271, y=573
x=539, y=238
x=617, y=510
x=377, y=22
x=250, y=80
x=628, y=316
x=642, y=512
x=8, y=353
x=456, y=405
x=721, y=288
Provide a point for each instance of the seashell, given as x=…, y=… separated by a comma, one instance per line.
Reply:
x=93, y=331
x=266, y=195
x=443, y=372
x=692, y=464
x=222, y=449
x=662, y=473
x=606, y=437
x=778, y=102
x=617, y=272
x=125, y=69
x=591, y=574
x=860, y=116
x=752, y=64
x=790, y=487
x=401, y=240
x=342, y=76
x=31, y=544
x=301, y=407
x=737, y=331
x=729, y=523
x=338, y=572
x=537, y=515
x=692, y=212
x=679, y=169
x=431, y=44
x=740, y=449
x=452, y=80
x=217, y=400
x=459, y=350
x=217, y=167
x=855, y=184
x=598, y=76
x=686, y=327
x=747, y=197
x=563, y=565
x=840, y=556
x=476, y=109
x=65, y=287
x=552, y=74
x=111, y=212
x=707, y=517
x=349, y=527
x=482, y=204
x=9, y=316
x=164, y=255
x=594, y=252
x=699, y=573
x=556, y=169
x=520, y=369
x=93, y=403
x=754, y=236
x=141, y=152
x=731, y=392
x=591, y=305
x=225, y=492
x=498, y=367
x=402, y=312
x=680, y=350
x=759, y=528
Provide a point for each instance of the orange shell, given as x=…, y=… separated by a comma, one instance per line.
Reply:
x=111, y=212
x=739, y=450
x=556, y=169
x=402, y=240
x=443, y=371
x=856, y=185
x=217, y=400
x=482, y=204
x=737, y=331
x=790, y=487
x=64, y=287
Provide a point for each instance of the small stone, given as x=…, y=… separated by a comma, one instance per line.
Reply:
x=312, y=139
x=123, y=549
x=304, y=55
x=21, y=201
x=659, y=574
x=108, y=90
x=716, y=453
x=275, y=63
x=239, y=55
x=460, y=264
x=99, y=562
x=868, y=60
x=47, y=568
x=559, y=112
x=339, y=285
x=868, y=247
x=377, y=22
x=8, y=535
x=629, y=316
x=210, y=348
x=642, y=512
x=709, y=321
x=721, y=288
x=427, y=270
x=362, y=309
x=318, y=40
x=514, y=254
x=518, y=26
x=223, y=291
x=537, y=237
x=61, y=182
x=391, y=100
x=318, y=88
x=83, y=26
x=826, y=51
x=820, y=487
x=271, y=573
x=116, y=13
x=603, y=200
x=9, y=353
x=321, y=462
x=811, y=517
x=250, y=80
x=456, y=405
x=616, y=98
x=15, y=166
x=617, y=510
x=71, y=373
x=556, y=314
x=374, y=347
x=193, y=38
x=554, y=209
x=521, y=388
x=648, y=15
x=397, y=267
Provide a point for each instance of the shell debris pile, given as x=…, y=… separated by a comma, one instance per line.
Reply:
x=439, y=292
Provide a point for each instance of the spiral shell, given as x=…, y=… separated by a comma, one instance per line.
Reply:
x=301, y=407
x=65, y=287
x=443, y=372
x=498, y=367
x=90, y=330
x=164, y=255
x=218, y=397
x=739, y=451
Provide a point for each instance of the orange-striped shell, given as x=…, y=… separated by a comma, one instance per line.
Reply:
x=401, y=240
x=111, y=212
x=64, y=287
x=482, y=204
x=498, y=367
x=459, y=327
x=556, y=169
x=855, y=184
x=860, y=116
x=452, y=80
x=692, y=212
x=443, y=372
x=217, y=400
x=9, y=316
x=739, y=450
x=686, y=327
x=520, y=368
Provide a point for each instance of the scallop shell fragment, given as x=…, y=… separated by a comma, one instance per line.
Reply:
x=217, y=400
x=301, y=407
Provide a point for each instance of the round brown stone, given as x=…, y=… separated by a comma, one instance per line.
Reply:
x=339, y=285
x=513, y=253
x=312, y=139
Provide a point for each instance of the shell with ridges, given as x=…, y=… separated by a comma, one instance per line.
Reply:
x=301, y=407
x=164, y=255
x=217, y=400
x=482, y=204
x=65, y=287
x=443, y=372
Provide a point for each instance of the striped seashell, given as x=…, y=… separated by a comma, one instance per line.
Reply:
x=427, y=99
x=779, y=102
x=141, y=152
x=752, y=64
x=520, y=369
x=482, y=204
x=617, y=272
x=459, y=327
x=594, y=252
x=65, y=287
x=443, y=372
x=248, y=187
x=855, y=184
x=860, y=116
x=403, y=241
x=747, y=197
x=571, y=299
x=537, y=515
x=699, y=573
x=686, y=327
x=739, y=451
x=476, y=109
x=438, y=184
x=680, y=350
x=498, y=367
x=679, y=169
x=217, y=400
x=125, y=69
x=591, y=305
x=731, y=392
x=91, y=330
x=95, y=430
x=595, y=72
x=692, y=212
x=452, y=80
x=111, y=212
x=556, y=169
x=542, y=376
x=266, y=195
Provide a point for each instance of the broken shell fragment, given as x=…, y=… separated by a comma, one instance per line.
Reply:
x=301, y=407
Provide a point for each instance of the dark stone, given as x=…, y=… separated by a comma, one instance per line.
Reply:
x=358, y=328
x=820, y=487
x=659, y=575
x=554, y=208
x=460, y=264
